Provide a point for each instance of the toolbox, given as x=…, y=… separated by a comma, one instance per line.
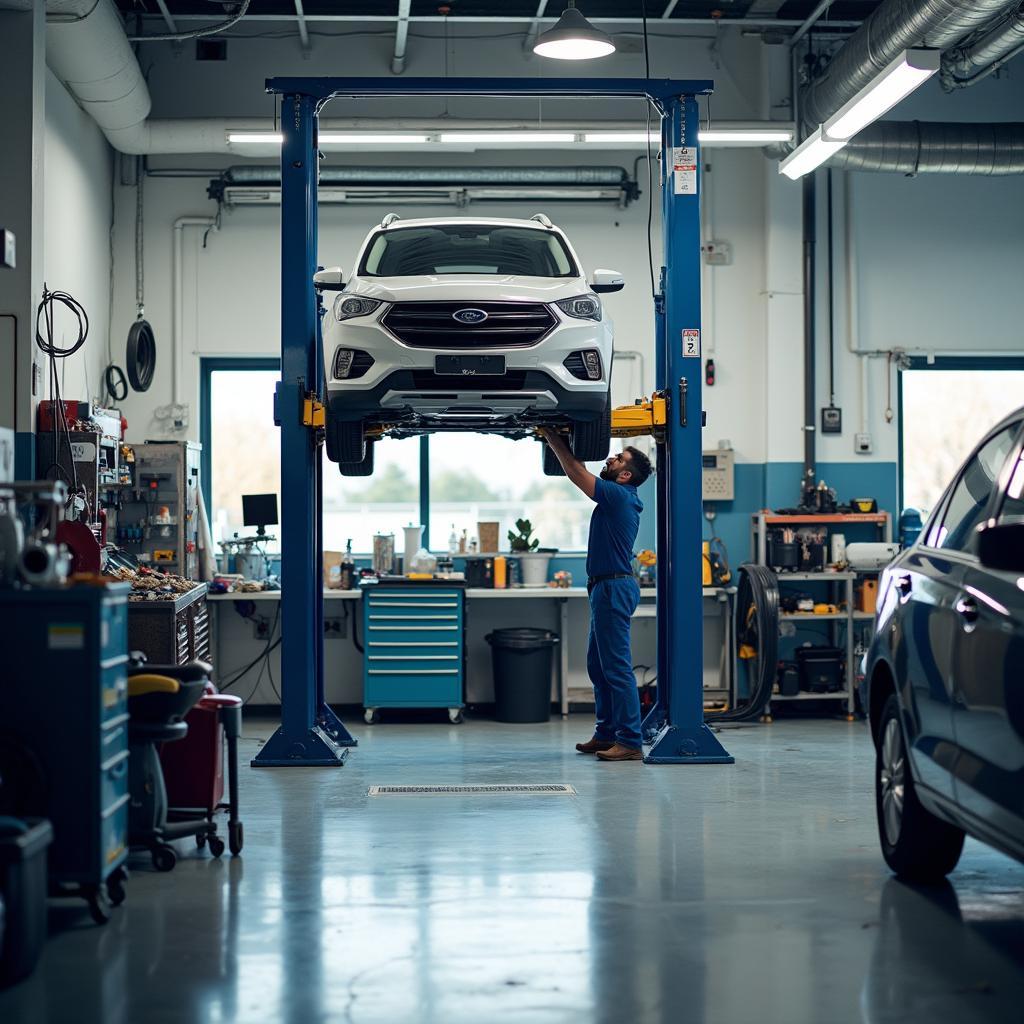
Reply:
x=414, y=645
x=821, y=669
x=63, y=697
x=172, y=631
x=23, y=846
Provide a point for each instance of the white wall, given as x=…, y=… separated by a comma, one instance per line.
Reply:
x=76, y=215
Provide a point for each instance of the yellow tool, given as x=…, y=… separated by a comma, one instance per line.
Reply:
x=646, y=416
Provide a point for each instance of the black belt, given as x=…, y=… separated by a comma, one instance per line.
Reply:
x=592, y=581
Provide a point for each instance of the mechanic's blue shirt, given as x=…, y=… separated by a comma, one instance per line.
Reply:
x=613, y=528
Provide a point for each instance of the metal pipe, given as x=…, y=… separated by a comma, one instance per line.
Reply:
x=300, y=19
x=893, y=27
x=401, y=36
x=966, y=66
x=810, y=210
x=168, y=20
x=177, y=304
x=809, y=22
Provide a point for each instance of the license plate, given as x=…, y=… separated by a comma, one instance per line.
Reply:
x=470, y=366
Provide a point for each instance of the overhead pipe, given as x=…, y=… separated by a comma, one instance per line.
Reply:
x=401, y=36
x=892, y=28
x=177, y=297
x=810, y=232
x=965, y=66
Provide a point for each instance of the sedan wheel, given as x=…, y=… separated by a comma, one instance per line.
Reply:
x=916, y=844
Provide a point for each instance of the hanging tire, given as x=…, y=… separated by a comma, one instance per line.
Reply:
x=346, y=442
x=552, y=467
x=363, y=468
x=918, y=846
x=591, y=439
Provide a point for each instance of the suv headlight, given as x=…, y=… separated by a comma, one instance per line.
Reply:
x=348, y=306
x=583, y=307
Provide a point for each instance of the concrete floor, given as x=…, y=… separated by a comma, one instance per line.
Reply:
x=750, y=893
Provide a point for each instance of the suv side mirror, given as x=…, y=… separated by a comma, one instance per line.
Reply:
x=1001, y=546
x=332, y=279
x=607, y=281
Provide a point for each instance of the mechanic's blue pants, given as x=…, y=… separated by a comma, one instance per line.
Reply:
x=610, y=661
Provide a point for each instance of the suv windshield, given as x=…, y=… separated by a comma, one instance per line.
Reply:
x=467, y=249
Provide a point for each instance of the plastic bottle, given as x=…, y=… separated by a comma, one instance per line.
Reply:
x=473, y=545
x=453, y=542
x=462, y=543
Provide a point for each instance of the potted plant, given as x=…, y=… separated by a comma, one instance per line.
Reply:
x=533, y=562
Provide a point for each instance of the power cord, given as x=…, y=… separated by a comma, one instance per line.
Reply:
x=48, y=345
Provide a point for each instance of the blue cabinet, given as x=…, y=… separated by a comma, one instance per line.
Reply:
x=64, y=697
x=414, y=643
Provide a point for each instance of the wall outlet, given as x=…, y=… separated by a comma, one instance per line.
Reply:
x=7, y=248
x=862, y=444
x=261, y=627
x=334, y=629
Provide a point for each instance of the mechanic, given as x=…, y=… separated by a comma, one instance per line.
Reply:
x=614, y=594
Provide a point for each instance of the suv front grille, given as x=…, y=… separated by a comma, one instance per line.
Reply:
x=432, y=325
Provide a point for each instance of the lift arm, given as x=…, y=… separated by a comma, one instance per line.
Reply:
x=644, y=417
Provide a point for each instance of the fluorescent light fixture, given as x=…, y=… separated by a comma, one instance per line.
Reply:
x=812, y=152
x=907, y=72
x=338, y=139
x=719, y=136
x=256, y=138
x=573, y=38
x=482, y=138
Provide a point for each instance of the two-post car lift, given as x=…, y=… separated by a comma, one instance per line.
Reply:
x=310, y=734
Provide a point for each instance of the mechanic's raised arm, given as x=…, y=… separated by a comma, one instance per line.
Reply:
x=574, y=469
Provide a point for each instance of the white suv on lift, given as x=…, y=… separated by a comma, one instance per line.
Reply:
x=465, y=323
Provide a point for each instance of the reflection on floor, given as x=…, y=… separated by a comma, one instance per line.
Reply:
x=730, y=894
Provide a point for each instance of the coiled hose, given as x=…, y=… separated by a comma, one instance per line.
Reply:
x=757, y=639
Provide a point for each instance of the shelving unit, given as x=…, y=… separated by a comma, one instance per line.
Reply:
x=761, y=523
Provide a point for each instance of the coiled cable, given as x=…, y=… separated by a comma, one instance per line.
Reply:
x=757, y=639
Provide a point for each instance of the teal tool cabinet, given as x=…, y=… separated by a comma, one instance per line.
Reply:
x=414, y=646
x=64, y=730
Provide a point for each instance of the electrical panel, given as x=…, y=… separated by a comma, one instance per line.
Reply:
x=88, y=456
x=717, y=475
x=158, y=521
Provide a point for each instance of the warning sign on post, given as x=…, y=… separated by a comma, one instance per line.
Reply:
x=691, y=343
x=684, y=170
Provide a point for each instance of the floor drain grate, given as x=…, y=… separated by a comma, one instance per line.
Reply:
x=551, y=790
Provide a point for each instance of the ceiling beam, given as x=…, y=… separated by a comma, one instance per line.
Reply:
x=668, y=10
x=534, y=30
x=810, y=21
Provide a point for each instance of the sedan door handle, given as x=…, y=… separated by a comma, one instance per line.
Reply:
x=904, y=583
x=967, y=609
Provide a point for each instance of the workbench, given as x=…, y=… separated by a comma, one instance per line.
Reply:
x=723, y=597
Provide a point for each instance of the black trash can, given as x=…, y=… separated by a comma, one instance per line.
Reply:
x=522, y=673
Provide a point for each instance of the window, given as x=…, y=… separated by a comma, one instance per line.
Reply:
x=241, y=444
x=242, y=455
x=944, y=409
x=970, y=496
x=486, y=478
x=1012, y=510
x=467, y=249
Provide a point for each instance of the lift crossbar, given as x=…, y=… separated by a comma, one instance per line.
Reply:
x=310, y=734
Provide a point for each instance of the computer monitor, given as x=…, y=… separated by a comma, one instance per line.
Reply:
x=259, y=510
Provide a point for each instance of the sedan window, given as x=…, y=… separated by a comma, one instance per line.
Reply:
x=969, y=500
x=1013, y=502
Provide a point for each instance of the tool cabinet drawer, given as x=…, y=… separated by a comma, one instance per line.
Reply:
x=114, y=630
x=114, y=691
x=114, y=835
x=412, y=662
x=113, y=779
x=412, y=689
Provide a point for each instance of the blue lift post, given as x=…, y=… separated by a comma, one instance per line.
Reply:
x=310, y=734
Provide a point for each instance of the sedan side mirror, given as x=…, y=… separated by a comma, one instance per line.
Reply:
x=607, y=281
x=1001, y=546
x=332, y=279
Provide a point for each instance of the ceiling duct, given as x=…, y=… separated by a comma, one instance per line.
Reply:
x=967, y=65
x=911, y=147
x=261, y=185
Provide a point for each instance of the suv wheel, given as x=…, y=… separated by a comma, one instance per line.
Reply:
x=363, y=468
x=552, y=467
x=591, y=439
x=346, y=442
x=916, y=845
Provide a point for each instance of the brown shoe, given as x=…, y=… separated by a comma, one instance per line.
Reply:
x=593, y=745
x=620, y=753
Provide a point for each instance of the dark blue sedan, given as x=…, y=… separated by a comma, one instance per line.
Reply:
x=944, y=677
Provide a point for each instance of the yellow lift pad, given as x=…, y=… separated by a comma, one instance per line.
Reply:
x=644, y=417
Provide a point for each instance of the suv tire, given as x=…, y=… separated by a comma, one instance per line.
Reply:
x=591, y=439
x=918, y=846
x=346, y=442
x=363, y=468
x=552, y=467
